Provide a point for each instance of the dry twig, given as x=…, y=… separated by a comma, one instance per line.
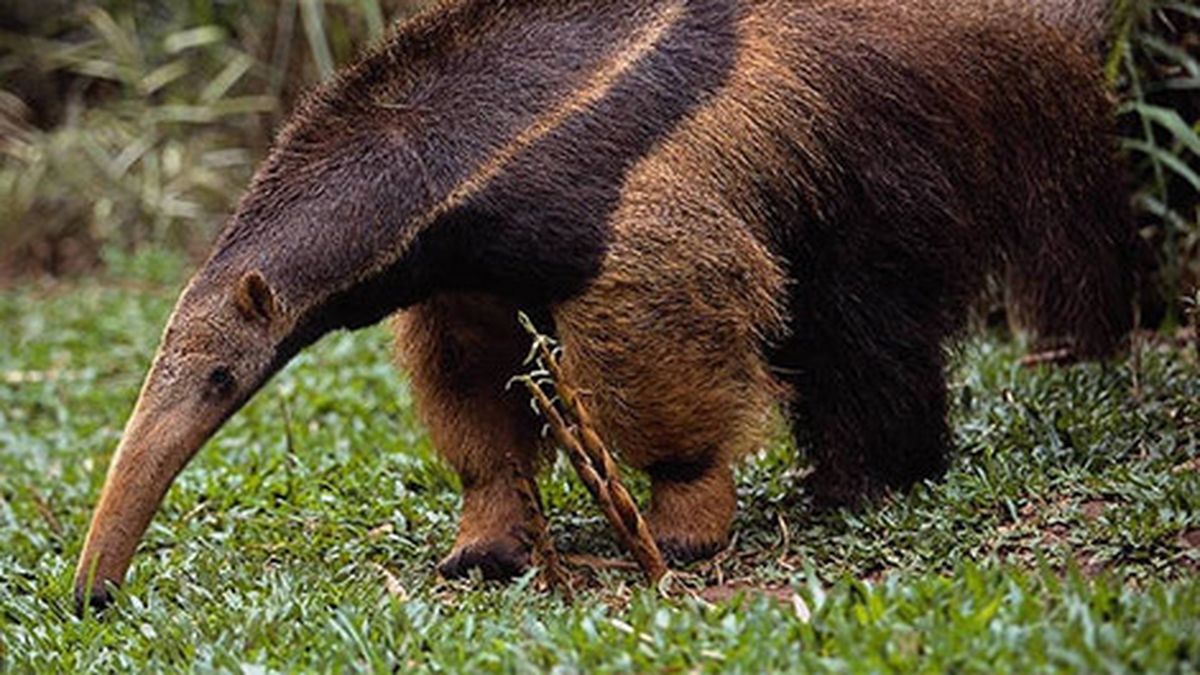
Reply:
x=590, y=457
x=391, y=583
x=545, y=555
x=1052, y=357
x=47, y=513
x=597, y=563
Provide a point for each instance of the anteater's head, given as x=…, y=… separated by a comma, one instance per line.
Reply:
x=219, y=347
x=318, y=243
x=306, y=252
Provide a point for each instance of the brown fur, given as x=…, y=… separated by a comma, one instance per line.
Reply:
x=460, y=351
x=717, y=205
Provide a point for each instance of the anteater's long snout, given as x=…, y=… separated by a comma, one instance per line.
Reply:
x=151, y=454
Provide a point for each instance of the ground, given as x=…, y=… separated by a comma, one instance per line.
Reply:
x=1065, y=537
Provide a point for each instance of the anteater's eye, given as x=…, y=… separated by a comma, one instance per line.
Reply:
x=220, y=380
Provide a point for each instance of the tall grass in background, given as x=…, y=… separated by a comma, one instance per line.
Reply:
x=131, y=122
x=1155, y=62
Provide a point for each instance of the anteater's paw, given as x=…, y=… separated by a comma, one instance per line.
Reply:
x=500, y=558
x=679, y=551
x=832, y=490
x=97, y=600
x=690, y=514
x=684, y=539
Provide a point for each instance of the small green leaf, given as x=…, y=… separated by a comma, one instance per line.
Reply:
x=312, y=13
x=1165, y=158
x=1170, y=120
x=192, y=38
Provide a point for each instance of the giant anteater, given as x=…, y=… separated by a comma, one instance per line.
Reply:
x=716, y=205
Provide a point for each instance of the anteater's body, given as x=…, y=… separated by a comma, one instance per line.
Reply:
x=716, y=205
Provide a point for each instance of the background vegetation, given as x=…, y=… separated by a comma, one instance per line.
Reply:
x=1155, y=65
x=126, y=123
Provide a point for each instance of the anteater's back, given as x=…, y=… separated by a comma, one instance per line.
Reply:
x=922, y=145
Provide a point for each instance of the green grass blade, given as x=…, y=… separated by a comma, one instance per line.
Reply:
x=1184, y=8
x=374, y=15
x=1177, y=55
x=1166, y=159
x=229, y=76
x=1170, y=120
x=163, y=76
x=122, y=43
x=202, y=36
x=312, y=14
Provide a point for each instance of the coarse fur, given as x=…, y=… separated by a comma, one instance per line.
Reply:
x=716, y=205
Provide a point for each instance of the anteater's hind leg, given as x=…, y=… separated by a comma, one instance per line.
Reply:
x=460, y=351
x=677, y=399
x=1072, y=259
x=866, y=362
x=668, y=344
x=1071, y=276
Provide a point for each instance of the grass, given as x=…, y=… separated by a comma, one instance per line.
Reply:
x=1066, y=537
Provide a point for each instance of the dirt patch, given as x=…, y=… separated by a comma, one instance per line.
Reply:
x=1054, y=533
x=1091, y=565
x=1190, y=539
x=1093, y=509
x=1189, y=557
x=731, y=590
x=1192, y=465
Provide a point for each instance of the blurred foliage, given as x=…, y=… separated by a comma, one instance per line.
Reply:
x=1156, y=65
x=124, y=122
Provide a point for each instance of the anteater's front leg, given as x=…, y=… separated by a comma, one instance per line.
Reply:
x=460, y=351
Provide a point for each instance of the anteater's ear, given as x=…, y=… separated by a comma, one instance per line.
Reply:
x=254, y=298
